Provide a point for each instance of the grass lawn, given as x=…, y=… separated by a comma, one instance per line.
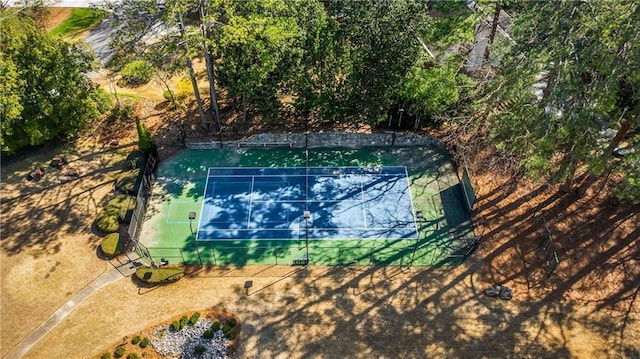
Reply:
x=80, y=20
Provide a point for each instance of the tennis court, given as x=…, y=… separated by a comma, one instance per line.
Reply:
x=364, y=206
x=340, y=202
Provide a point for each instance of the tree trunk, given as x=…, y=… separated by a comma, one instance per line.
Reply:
x=209, y=64
x=163, y=80
x=494, y=27
x=196, y=92
x=244, y=108
x=624, y=129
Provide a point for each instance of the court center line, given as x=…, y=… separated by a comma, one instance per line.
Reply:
x=253, y=182
x=364, y=206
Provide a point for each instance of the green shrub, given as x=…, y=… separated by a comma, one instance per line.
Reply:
x=135, y=159
x=208, y=334
x=145, y=141
x=128, y=182
x=226, y=329
x=123, y=205
x=107, y=221
x=144, y=342
x=132, y=356
x=137, y=72
x=159, y=275
x=184, y=321
x=135, y=340
x=105, y=356
x=176, y=326
x=112, y=245
x=200, y=349
x=232, y=322
x=230, y=335
x=215, y=326
x=194, y=318
x=119, y=352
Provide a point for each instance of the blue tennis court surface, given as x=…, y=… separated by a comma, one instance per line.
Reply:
x=344, y=203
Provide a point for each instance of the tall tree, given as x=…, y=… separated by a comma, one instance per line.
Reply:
x=45, y=91
x=253, y=42
x=561, y=83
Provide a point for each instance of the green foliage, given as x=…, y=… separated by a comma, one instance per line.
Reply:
x=145, y=142
x=215, y=326
x=454, y=25
x=80, y=20
x=208, y=334
x=128, y=181
x=579, y=57
x=122, y=205
x=119, y=352
x=42, y=100
x=176, y=326
x=232, y=322
x=432, y=91
x=200, y=349
x=226, y=329
x=132, y=356
x=144, y=343
x=194, y=318
x=159, y=275
x=112, y=245
x=184, y=321
x=120, y=113
x=107, y=221
x=137, y=73
x=230, y=335
x=135, y=340
x=135, y=160
x=105, y=356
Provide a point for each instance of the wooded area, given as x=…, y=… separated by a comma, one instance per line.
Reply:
x=557, y=92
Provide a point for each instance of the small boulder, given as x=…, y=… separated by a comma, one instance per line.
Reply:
x=58, y=162
x=36, y=174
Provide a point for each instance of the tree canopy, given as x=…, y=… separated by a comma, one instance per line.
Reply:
x=45, y=92
x=572, y=73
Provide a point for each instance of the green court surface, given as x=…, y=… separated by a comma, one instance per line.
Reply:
x=444, y=231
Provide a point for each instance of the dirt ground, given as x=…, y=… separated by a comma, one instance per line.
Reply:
x=587, y=309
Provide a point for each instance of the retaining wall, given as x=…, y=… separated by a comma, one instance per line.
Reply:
x=325, y=139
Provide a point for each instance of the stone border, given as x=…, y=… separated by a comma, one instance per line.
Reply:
x=326, y=139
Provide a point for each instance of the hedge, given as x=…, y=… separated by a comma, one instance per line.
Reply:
x=128, y=181
x=107, y=221
x=160, y=275
x=112, y=245
x=123, y=205
x=136, y=159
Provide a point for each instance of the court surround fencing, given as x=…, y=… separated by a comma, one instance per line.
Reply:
x=402, y=254
x=148, y=176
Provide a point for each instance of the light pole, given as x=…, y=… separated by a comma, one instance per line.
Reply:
x=192, y=216
x=307, y=215
x=419, y=217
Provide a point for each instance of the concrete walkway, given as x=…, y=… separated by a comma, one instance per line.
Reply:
x=116, y=273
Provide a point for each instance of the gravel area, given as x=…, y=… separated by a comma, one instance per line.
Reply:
x=185, y=342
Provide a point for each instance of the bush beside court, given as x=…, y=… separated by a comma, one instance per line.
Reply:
x=159, y=275
x=107, y=221
x=112, y=245
x=122, y=206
